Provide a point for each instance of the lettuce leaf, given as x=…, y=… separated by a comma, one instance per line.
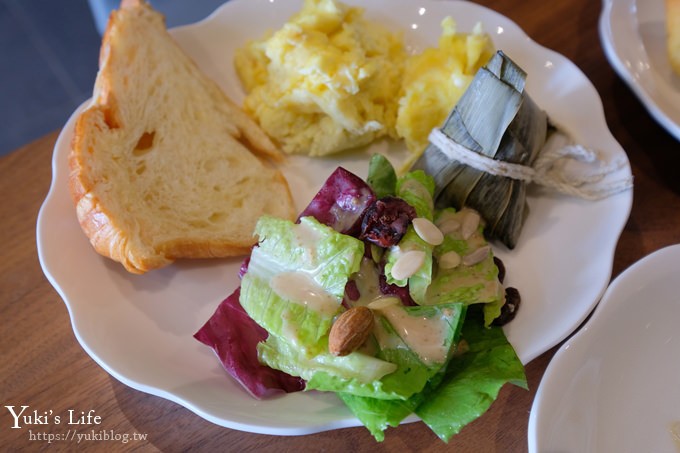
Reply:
x=341, y=202
x=364, y=375
x=476, y=284
x=234, y=336
x=472, y=380
x=355, y=372
x=416, y=188
x=454, y=397
x=381, y=176
x=378, y=415
x=310, y=251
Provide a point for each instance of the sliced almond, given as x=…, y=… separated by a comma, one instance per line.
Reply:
x=408, y=264
x=449, y=260
x=450, y=225
x=428, y=231
x=477, y=256
x=470, y=223
x=350, y=331
x=445, y=216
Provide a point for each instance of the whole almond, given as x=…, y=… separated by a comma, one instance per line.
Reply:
x=350, y=330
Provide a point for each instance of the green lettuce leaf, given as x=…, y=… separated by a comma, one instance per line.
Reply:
x=412, y=370
x=356, y=372
x=472, y=380
x=378, y=414
x=311, y=252
x=327, y=256
x=455, y=396
x=476, y=284
x=417, y=189
x=381, y=176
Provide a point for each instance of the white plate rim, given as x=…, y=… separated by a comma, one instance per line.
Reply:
x=625, y=51
x=573, y=348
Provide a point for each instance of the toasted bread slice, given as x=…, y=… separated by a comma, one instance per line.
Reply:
x=162, y=163
x=673, y=33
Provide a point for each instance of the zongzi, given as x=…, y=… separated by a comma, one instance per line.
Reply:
x=494, y=118
x=496, y=141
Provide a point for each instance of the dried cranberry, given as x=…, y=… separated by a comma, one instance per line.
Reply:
x=352, y=290
x=401, y=292
x=386, y=220
x=390, y=289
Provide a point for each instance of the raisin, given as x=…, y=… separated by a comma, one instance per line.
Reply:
x=509, y=309
x=385, y=221
x=501, y=268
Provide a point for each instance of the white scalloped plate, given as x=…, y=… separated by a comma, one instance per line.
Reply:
x=139, y=328
x=614, y=385
x=633, y=35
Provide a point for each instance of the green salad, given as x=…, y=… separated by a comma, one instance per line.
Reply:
x=376, y=295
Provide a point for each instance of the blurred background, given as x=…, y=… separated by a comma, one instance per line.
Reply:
x=48, y=59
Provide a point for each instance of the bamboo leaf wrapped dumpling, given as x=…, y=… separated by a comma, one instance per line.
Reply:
x=497, y=119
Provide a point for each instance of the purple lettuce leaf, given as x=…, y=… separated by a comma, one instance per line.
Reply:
x=234, y=336
x=341, y=202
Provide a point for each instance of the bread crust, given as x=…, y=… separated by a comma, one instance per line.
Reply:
x=108, y=123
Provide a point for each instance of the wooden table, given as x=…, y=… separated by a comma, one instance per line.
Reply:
x=42, y=365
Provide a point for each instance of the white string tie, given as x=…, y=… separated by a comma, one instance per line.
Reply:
x=561, y=165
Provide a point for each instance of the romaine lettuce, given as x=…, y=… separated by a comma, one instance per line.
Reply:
x=477, y=283
x=472, y=380
x=454, y=397
x=417, y=189
x=312, y=252
x=381, y=176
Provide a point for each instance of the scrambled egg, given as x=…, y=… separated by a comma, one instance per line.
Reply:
x=329, y=80
x=434, y=81
x=325, y=82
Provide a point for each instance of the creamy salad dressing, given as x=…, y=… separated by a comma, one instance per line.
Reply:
x=424, y=336
x=308, y=239
x=367, y=281
x=385, y=339
x=299, y=287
